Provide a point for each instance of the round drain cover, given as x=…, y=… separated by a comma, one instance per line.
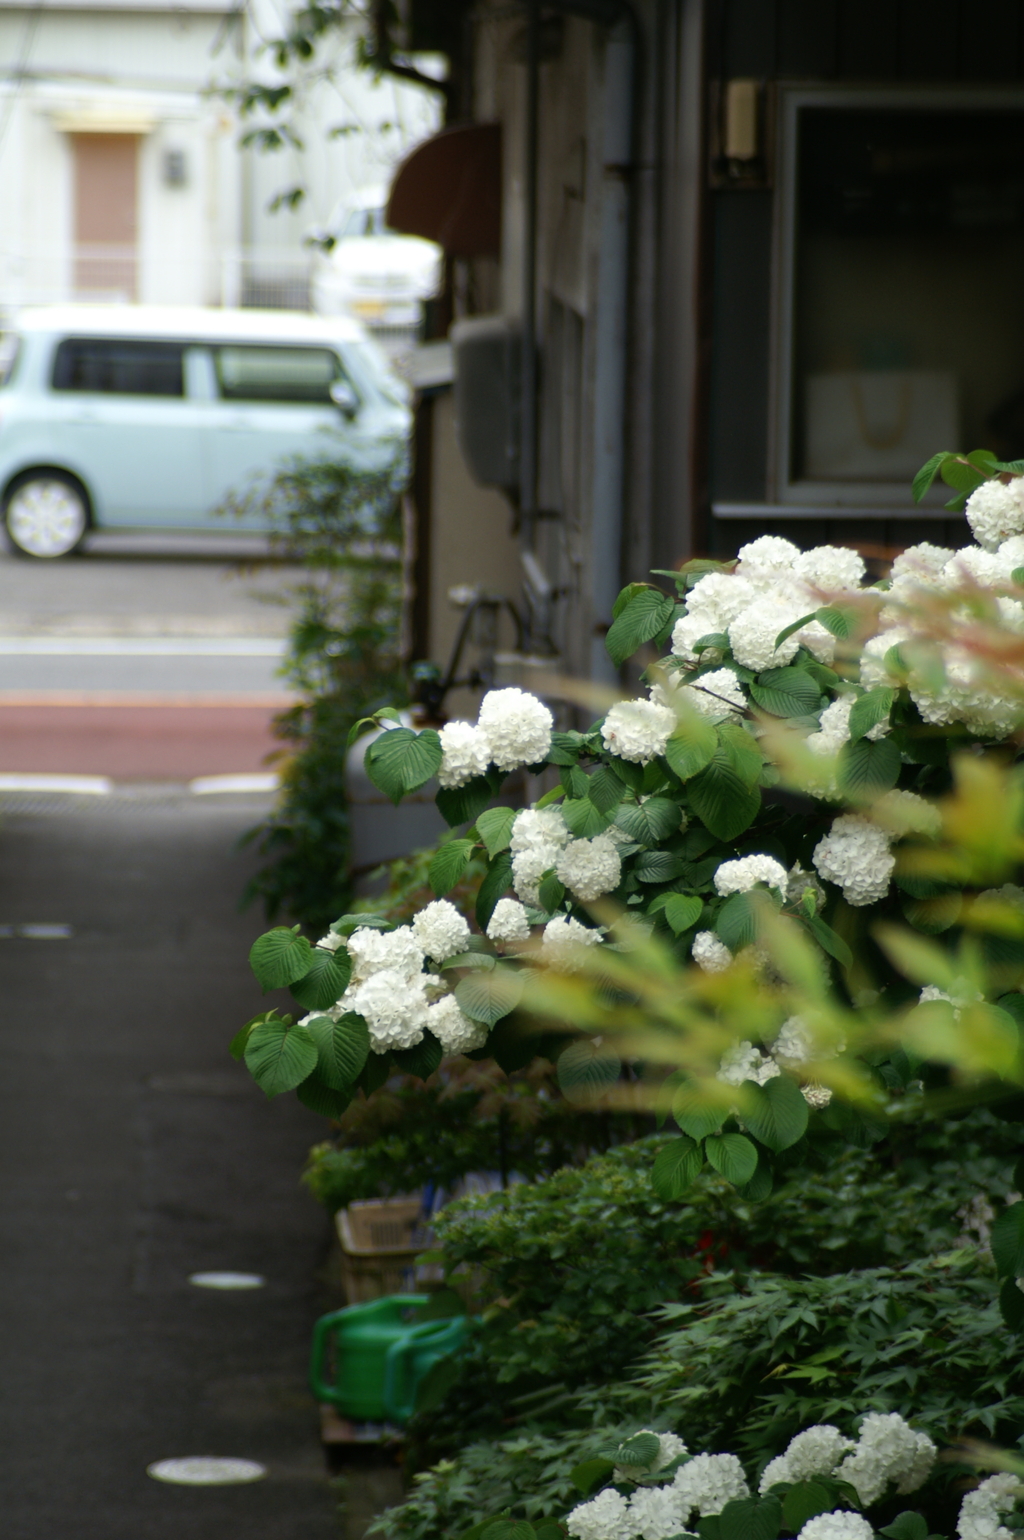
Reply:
x=206, y=1471
x=227, y=1280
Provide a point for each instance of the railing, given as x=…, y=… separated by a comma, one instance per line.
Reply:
x=122, y=274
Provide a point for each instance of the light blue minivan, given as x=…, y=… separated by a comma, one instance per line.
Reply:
x=138, y=417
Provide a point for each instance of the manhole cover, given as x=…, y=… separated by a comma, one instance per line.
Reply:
x=227, y=1280
x=206, y=1471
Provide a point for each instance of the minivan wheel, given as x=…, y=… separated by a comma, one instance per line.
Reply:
x=46, y=514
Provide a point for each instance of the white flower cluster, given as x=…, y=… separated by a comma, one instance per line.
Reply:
x=562, y=942
x=981, y=1509
x=513, y=728
x=715, y=694
x=509, y=921
x=670, y=1447
x=855, y=855
x=841, y=1524
x=995, y=511
x=744, y=874
x=815, y=1452
x=539, y=835
x=745, y=1062
x=709, y=953
x=590, y=868
x=887, y=1450
x=396, y=998
x=791, y=1048
x=638, y=730
x=701, y=1487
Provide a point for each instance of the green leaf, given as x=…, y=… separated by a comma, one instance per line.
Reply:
x=650, y=822
x=732, y=1156
x=280, y=1056
x=869, y=710
x=785, y=692
x=342, y=1047
x=236, y=1047
x=401, y=761
x=385, y=714
x=583, y=818
x=658, y=866
x=495, y=828
x=464, y=804
x=927, y=474
x=1008, y=1241
x=575, y=782
x=626, y=595
x=606, y=789
x=695, y=1115
x=494, y=885
x=448, y=865
x=422, y=1060
x=551, y=893
x=375, y=1072
x=691, y=747
x=909, y=1525
x=638, y=1452
x=746, y=1518
x=865, y=767
x=594, y=1473
x=761, y=1183
x=565, y=749
x=794, y=626
x=827, y=939
x=803, y=1501
x=507, y=1529
x=350, y=922
x=677, y=1167
x=837, y=621
x=585, y=1071
x=681, y=910
x=742, y=751
x=321, y=1099
x=487, y=997
x=1011, y=1304
x=775, y=1113
x=280, y=957
x=721, y=799
x=641, y=619
x=736, y=922
x=326, y=981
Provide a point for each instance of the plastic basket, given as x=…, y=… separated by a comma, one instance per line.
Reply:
x=379, y=1225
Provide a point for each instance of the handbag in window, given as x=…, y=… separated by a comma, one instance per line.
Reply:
x=878, y=425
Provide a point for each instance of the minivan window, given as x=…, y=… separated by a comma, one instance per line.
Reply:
x=276, y=374
x=119, y=367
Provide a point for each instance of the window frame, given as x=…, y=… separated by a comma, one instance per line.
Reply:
x=104, y=339
x=801, y=497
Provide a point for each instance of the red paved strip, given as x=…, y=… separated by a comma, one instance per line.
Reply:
x=137, y=743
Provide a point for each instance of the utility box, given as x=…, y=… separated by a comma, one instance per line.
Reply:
x=486, y=354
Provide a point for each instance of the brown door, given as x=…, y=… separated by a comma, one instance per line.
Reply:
x=106, y=214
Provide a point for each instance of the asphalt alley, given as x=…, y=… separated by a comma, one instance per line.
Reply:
x=134, y=1152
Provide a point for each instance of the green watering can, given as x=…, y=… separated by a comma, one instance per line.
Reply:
x=381, y=1354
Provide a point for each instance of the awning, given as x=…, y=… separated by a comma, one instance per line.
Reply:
x=449, y=190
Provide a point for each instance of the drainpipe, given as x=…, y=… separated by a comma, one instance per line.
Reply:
x=528, y=342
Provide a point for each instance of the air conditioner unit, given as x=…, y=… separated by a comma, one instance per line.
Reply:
x=486, y=352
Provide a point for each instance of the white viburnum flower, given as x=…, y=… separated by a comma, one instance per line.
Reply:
x=715, y=694
x=981, y=1509
x=995, y=511
x=973, y=565
x=922, y=562
x=888, y=1450
x=800, y=882
x=590, y=868
x=538, y=836
x=331, y=942
x=655, y=1512
x=745, y=1062
x=709, y=1481
x=830, y=568
x=562, y=941
x=752, y=634
x=508, y=922
x=688, y=631
x=709, y=953
x=517, y=726
x=528, y=869
x=604, y=1517
x=963, y=994
x=638, y=730
x=742, y=875
x=766, y=554
x=465, y=754
x=873, y=671
x=718, y=598
x=855, y=855
x=815, y=1452
x=374, y=950
x=834, y=727
x=393, y=1006
x=455, y=1032
x=441, y=930
x=841, y=1524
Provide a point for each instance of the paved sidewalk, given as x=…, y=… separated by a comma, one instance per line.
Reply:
x=132, y=1153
